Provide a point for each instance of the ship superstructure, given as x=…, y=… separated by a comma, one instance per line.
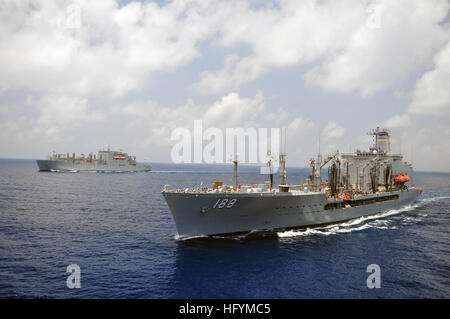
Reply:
x=105, y=161
x=358, y=184
x=362, y=171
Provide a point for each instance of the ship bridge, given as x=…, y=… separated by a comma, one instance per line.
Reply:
x=378, y=158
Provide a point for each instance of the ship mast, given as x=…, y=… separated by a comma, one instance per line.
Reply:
x=282, y=169
x=270, y=167
x=235, y=172
x=282, y=160
x=382, y=140
x=312, y=174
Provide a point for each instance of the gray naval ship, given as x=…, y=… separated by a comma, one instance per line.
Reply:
x=105, y=161
x=359, y=184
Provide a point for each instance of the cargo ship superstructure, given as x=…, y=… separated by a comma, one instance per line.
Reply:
x=358, y=184
x=105, y=161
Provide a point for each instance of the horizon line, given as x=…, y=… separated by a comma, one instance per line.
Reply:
x=246, y=164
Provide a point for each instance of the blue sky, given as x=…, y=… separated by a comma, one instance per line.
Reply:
x=77, y=75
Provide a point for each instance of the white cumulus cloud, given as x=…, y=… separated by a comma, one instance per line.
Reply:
x=432, y=93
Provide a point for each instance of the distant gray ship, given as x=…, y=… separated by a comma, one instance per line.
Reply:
x=359, y=184
x=105, y=161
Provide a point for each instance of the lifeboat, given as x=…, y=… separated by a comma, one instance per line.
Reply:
x=119, y=157
x=401, y=179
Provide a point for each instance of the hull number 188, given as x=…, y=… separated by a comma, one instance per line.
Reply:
x=221, y=203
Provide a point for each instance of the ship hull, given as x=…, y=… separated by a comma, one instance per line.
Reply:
x=200, y=214
x=64, y=165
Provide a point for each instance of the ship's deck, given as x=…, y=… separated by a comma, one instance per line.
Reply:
x=262, y=190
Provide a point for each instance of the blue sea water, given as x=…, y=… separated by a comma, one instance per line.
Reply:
x=118, y=229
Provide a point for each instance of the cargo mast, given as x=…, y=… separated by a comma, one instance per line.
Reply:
x=283, y=159
x=235, y=173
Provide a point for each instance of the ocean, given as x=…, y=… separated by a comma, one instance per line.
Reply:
x=118, y=229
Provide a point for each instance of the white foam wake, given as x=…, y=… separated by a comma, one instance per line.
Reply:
x=358, y=224
x=373, y=221
x=177, y=237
